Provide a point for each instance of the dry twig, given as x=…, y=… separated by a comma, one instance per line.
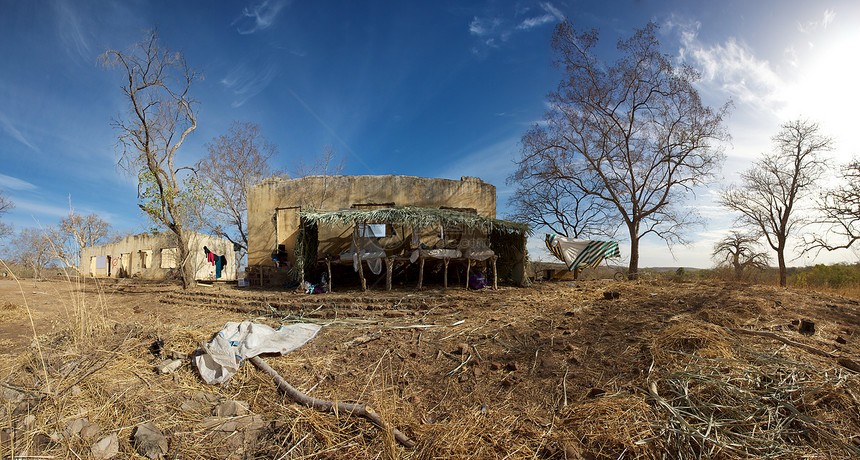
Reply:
x=323, y=405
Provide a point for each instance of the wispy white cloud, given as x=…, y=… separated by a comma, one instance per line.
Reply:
x=73, y=34
x=495, y=28
x=552, y=14
x=826, y=19
x=37, y=209
x=11, y=130
x=246, y=83
x=9, y=182
x=259, y=17
x=482, y=27
x=731, y=67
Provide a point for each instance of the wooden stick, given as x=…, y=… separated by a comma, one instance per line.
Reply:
x=495, y=274
x=445, y=278
x=389, y=266
x=322, y=405
x=330, y=281
x=468, y=269
x=848, y=363
x=421, y=271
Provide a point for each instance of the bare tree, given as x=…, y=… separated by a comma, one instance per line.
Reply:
x=161, y=115
x=739, y=251
x=633, y=134
x=76, y=232
x=840, y=207
x=33, y=248
x=235, y=161
x=560, y=207
x=326, y=165
x=772, y=191
x=6, y=205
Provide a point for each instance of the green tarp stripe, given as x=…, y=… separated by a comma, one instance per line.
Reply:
x=594, y=253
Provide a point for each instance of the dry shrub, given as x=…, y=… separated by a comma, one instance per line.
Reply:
x=689, y=336
x=611, y=427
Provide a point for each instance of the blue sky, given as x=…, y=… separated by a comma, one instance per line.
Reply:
x=437, y=89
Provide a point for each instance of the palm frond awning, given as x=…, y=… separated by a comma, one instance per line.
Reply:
x=413, y=216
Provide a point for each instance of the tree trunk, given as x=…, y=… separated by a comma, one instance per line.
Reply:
x=633, y=268
x=783, y=276
x=186, y=265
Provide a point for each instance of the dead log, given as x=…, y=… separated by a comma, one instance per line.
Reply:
x=845, y=362
x=322, y=405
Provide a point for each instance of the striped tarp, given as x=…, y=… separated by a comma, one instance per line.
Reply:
x=581, y=253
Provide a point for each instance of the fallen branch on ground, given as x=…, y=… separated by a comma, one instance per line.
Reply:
x=322, y=405
x=848, y=363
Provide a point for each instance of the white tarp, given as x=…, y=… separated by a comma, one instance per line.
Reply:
x=221, y=356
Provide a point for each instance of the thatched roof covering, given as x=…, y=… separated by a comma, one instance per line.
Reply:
x=412, y=216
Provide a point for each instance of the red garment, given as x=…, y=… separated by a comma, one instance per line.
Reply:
x=211, y=257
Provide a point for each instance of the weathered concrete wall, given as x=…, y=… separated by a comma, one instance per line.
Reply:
x=273, y=204
x=128, y=257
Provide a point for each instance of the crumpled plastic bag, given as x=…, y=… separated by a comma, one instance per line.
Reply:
x=220, y=358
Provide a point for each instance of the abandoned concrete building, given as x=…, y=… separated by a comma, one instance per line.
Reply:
x=155, y=256
x=312, y=225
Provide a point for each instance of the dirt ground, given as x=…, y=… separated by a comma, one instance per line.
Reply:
x=597, y=369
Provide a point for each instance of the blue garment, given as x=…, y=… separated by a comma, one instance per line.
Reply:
x=218, y=267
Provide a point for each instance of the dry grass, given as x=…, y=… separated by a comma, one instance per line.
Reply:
x=550, y=372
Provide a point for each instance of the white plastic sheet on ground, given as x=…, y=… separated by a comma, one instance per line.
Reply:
x=221, y=356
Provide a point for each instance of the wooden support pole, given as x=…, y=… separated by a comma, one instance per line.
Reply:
x=322, y=405
x=468, y=269
x=330, y=281
x=445, y=278
x=495, y=274
x=358, y=258
x=389, y=268
x=421, y=272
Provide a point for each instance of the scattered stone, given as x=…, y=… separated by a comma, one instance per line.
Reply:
x=91, y=431
x=75, y=391
x=609, y=295
x=149, y=441
x=807, y=327
x=495, y=365
x=200, y=401
x=238, y=433
x=231, y=408
x=11, y=395
x=177, y=355
x=477, y=371
x=168, y=366
x=75, y=426
x=106, y=447
x=512, y=366
x=462, y=349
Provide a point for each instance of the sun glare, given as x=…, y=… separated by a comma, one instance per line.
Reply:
x=826, y=91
